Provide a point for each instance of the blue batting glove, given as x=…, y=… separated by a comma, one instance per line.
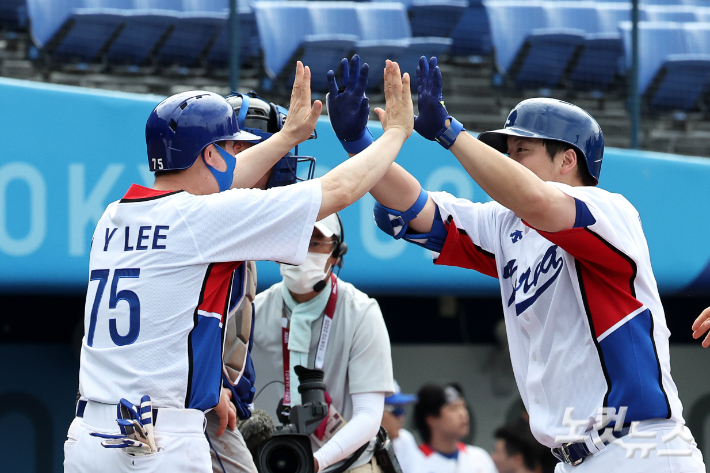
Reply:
x=349, y=110
x=431, y=122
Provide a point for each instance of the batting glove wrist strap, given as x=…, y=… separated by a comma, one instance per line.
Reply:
x=363, y=141
x=447, y=135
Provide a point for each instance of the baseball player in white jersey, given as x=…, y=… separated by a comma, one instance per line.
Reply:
x=585, y=324
x=161, y=268
x=332, y=326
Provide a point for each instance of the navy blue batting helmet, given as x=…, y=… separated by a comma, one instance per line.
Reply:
x=552, y=119
x=263, y=119
x=181, y=126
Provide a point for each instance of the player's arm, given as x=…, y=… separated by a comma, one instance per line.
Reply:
x=256, y=161
x=702, y=325
x=540, y=204
x=352, y=179
x=349, y=111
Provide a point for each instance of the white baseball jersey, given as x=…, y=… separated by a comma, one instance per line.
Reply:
x=584, y=320
x=468, y=459
x=162, y=271
x=407, y=452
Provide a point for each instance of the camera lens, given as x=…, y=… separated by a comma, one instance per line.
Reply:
x=283, y=460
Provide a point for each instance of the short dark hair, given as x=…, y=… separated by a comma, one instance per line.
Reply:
x=519, y=439
x=553, y=147
x=431, y=398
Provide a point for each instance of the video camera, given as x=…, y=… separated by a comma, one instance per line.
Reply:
x=289, y=449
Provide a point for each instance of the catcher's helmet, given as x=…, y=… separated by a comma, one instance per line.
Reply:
x=181, y=126
x=552, y=119
x=263, y=119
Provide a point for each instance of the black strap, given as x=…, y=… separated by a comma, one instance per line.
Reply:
x=351, y=459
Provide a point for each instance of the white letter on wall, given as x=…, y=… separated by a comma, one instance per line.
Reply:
x=38, y=209
x=83, y=210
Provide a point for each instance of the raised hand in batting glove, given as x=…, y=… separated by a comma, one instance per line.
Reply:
x=349, y=110
x=431, y=122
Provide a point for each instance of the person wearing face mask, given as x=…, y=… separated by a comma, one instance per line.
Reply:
x=315, y=319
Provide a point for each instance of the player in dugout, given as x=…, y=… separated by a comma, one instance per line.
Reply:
x=173, y=250
x=330, y=326
x=586, y=329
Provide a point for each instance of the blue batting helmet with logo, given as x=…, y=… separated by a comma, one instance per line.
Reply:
x=263, y=119
x=181, y=126
x=552, y=119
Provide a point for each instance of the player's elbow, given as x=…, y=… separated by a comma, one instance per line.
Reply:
x=549, y=211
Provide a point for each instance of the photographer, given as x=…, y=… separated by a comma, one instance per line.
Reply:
x=314, y=319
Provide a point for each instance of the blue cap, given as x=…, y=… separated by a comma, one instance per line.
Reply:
x=398, y=398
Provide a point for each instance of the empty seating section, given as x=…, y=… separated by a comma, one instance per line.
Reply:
x=670, y=75
x=387, y=22
x=577, y=44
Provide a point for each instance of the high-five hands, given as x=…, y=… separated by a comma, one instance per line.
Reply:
x=399, y=110
x=702, y=325
x=349, y=110
x=302, y=116
x=432, y=120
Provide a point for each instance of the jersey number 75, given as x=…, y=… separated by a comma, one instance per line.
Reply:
x=102, y=275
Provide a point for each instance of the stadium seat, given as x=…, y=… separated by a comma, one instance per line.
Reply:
x=76, y=29
x=472, y=35
x=670, y=76
x=433, y=17
x=527, y=51
x=249, y=45
x=150, y=26
x=387, y=22
x=13, y=14
x=594, y=66
x=676, y=13
x=333, y=17
x=283, y=43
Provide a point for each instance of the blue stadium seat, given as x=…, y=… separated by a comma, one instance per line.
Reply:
x=143, y=36
x=249, y=45
x=334, y=17
x=472, y=35
x=703, y=13
x=610, y=14
x=283, y=43
x=388, y=22
x=13, y=14
x=433, y=17
x=595, y=65
x=76, y=29
x=527, y=51
x=671, y=77
x=676, y=13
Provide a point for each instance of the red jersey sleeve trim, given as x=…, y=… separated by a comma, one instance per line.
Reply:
x=459, y=250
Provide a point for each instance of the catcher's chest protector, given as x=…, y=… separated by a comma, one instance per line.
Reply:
x=239, y=327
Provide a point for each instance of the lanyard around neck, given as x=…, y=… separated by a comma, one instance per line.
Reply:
x=322, y=342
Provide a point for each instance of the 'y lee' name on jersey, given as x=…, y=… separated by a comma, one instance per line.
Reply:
x=143, y=238
x=584, y=320
x=164, y=272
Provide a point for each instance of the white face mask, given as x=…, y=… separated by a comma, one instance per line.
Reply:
x=301, y=279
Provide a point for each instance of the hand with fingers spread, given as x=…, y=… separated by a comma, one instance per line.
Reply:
x=431, y=122
x=302, y=116
x=399, y=110
x=349, y=109
x=701, y=326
